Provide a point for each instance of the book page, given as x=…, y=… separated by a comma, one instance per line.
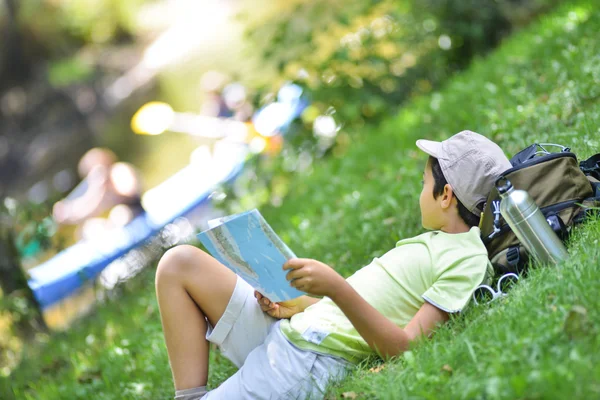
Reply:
x=247, y=245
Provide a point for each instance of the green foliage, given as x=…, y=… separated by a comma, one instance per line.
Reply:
x=364, y=58
x=36, y=32
x=61, y=25
x=360, y=60
x=64, y=72
x=32, y=225
x=19, y=314
x=539, y=342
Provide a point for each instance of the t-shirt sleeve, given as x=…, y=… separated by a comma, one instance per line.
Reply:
x=452, y=291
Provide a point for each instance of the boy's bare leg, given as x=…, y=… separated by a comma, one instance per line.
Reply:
x=190, y=285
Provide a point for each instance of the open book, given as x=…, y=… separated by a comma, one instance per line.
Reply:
x=247, y=245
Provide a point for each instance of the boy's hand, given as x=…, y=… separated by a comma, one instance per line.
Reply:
x=281, y=310
x=313, y=277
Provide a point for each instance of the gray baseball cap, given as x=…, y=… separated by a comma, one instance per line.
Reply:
x=471, y=163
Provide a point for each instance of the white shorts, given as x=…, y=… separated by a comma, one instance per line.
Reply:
x=270, y=367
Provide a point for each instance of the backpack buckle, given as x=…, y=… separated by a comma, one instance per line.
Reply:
x=513, y=257
x=557, y=225
x=497, y=224
x=591, y=166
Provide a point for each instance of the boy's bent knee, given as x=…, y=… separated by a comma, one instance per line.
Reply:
x=178, y=261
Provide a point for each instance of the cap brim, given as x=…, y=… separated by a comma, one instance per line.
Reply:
x=430, y=147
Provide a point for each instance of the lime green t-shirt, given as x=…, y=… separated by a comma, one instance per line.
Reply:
x=440, y=268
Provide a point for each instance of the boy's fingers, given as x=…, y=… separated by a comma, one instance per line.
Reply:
x=272, y=311
x=294, y=263
x=294, y=274
x=261, y=299
x=299, y=283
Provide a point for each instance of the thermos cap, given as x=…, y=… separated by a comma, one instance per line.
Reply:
x=520, y=204
x=503, y=185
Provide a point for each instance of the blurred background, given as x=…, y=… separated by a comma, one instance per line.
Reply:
x=126, y=125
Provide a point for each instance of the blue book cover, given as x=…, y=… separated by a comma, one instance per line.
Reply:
x=247, y=245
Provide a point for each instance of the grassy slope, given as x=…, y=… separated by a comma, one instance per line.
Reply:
x=542, y=85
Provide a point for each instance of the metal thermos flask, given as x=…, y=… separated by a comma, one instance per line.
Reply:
x=529, y=224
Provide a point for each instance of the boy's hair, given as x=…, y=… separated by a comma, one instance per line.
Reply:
x=439, y=181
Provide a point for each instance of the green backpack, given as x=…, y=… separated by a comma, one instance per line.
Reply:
x=566, y=191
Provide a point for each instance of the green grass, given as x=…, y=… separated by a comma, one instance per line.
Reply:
x=541, y=342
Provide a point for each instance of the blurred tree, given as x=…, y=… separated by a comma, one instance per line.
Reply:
x=359, y=61
x=14, y=68
x=17, y=297
x=52, y=76
x=366, y=57
x=37, y=30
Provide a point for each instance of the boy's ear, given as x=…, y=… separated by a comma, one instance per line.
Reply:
x=447, y=196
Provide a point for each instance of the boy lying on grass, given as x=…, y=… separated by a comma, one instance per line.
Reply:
x=293, y=349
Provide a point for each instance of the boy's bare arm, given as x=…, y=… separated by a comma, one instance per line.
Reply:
x=381, y=334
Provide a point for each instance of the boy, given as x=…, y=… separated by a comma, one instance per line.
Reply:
x=294, y=348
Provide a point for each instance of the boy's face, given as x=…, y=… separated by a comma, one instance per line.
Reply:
x=431, y=210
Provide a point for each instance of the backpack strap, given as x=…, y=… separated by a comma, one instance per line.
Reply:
x=591, y=166
x=596, y=186
x=590, y=205
x=535, y=150
x=513, y=257
x=524, y=155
